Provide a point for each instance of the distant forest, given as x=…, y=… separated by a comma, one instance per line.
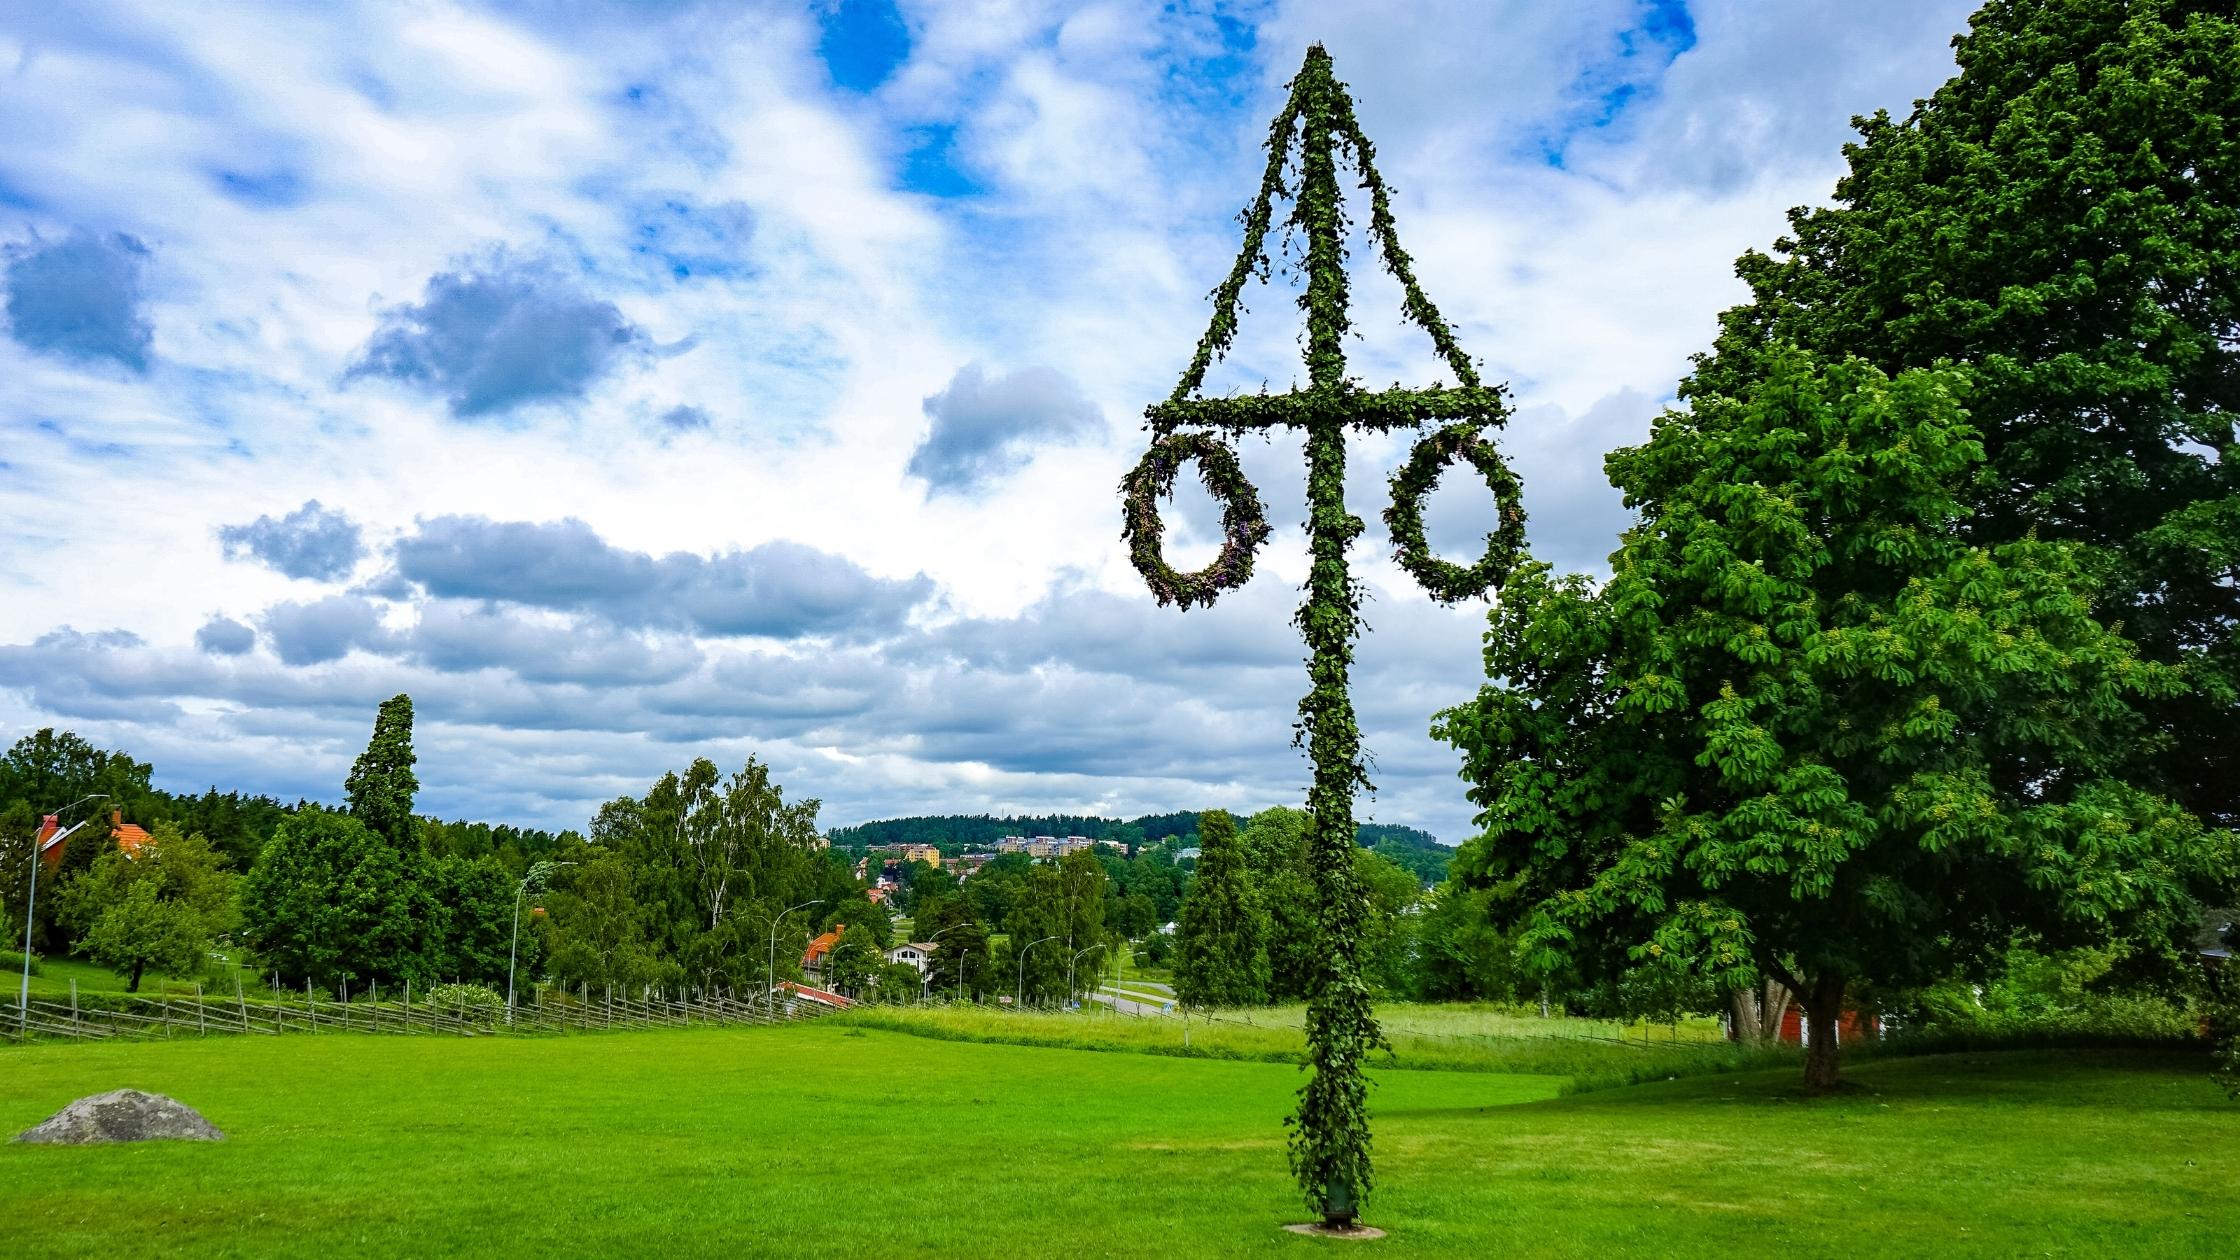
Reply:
x=1417, y=850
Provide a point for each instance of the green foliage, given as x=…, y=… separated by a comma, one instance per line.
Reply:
x=2031, y=993
x=685, y=884
x=469, y=927
x=1442, y=580
x=856, y=964
x=1221, y=949
x=1280, y=880
x=1243, y=525
x=155, y=911
x=331, y=902
x=1462, y=955
x=1808, y=730
x=2062, y=220
x=381, y=783
x=962, y=964
x=474, y=1003
x=595, y=931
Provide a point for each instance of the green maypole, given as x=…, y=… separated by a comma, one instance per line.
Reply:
x=1330, y=1132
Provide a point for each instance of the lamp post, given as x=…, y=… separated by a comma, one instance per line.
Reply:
x=961, y=956
x=537, y=874
x=770, y=998
x=1019, y=994
x=925, y=982
x=1070, y=998
x=31, y=902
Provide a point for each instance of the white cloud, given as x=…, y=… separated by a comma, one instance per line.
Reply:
x=293, y=173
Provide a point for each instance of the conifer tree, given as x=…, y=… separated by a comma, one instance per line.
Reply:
x=381, y=784
x=1221, y=954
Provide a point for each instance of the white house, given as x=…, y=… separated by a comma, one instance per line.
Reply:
x=917, y=954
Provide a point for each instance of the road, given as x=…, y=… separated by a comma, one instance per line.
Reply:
x=1131, y=1006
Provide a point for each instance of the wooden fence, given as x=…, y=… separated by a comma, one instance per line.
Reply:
x=546, y=1013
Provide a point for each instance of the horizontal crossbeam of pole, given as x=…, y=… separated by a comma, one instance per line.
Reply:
x=1382, y=409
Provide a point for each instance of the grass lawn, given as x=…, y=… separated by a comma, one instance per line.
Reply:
x=53, y=979
x=1589, y=1054
x=829, y=1140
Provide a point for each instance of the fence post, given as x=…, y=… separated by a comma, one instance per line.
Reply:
x=241, y=999
x=74, y=1008
x=201, y=1016
x=310, y=1004
x=408, y=1005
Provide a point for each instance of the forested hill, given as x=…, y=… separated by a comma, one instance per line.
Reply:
x=1419, y=851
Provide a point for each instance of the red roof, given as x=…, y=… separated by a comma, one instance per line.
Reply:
x=826, y=996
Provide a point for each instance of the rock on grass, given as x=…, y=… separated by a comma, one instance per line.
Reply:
x=122, y=1115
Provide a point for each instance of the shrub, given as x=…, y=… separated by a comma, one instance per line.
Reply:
x=12, y=963
x=474, y=1003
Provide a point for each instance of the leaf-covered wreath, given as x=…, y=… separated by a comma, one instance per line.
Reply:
x=1242, y=521
x=1441, y=580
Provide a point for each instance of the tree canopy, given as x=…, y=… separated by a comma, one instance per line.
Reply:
x=2061, y=222
x=1809, y=729
x=381, y=785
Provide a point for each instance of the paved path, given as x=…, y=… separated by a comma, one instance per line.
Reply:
x=1130, y=1006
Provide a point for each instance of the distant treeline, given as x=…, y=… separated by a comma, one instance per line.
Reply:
x=1417, y=850
x=50, y=769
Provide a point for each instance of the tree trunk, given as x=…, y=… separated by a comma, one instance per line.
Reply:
x=1773, y=1006
x=1756, y=1012
x=1822, y=1010
x=133, y=985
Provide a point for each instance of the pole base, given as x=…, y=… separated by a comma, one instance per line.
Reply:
x=1356, y=1231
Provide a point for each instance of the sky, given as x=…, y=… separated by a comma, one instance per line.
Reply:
x=631, y=383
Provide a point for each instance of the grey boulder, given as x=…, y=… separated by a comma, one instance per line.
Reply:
x=122, y=1115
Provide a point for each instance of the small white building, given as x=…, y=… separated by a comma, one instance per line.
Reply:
x=917, y=954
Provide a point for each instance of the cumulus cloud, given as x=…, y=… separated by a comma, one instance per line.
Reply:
x=311, y=542
x=1031, y=184
x=223, y=636
x=80, y=298
x=324, y=629
x=778, y=589
x=461, y=638
x=501, y=334
x=983, y=427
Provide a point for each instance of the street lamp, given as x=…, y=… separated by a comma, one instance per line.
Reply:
x=770, y=998
x=925, y=984
x=38, y=852
x=1070, y=999
x=1019, y=995
x=961, y=956
x=537, y=873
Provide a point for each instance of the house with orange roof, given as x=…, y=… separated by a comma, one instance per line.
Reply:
x=130, y=837
x=821, y=948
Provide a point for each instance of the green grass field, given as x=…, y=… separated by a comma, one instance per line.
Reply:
x=829, y=1140
x=1588, y=1054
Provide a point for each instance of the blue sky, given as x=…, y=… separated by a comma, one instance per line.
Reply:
x=631, y=382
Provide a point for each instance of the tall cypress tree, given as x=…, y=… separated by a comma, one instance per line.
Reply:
x=381, y=785
x=1221, y=954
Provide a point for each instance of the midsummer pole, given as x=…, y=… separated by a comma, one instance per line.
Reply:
x=1329, y=1147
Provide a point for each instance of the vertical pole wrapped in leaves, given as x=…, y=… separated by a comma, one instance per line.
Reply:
x=1330, y=1132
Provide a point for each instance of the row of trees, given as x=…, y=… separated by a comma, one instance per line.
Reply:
x=1247, y=935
